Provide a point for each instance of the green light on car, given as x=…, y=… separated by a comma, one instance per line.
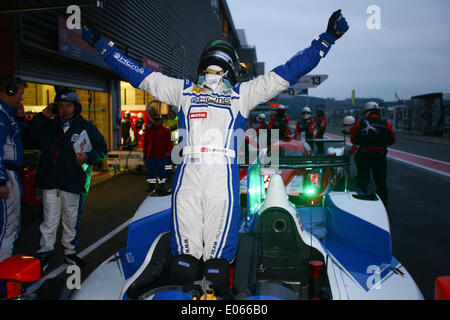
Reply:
x=310, y=191
x=255, y=189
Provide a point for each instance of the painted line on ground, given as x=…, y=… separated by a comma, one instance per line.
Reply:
x=82, y=254
x=433, y=165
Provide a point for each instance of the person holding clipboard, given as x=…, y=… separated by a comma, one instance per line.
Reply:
x=69, y=146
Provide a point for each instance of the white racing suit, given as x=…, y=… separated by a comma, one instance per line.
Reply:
x=11, y=155
x=205, y=199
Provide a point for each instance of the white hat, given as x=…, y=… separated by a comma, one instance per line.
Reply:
x=349, y=121
x=371, y=106
x=306, y=109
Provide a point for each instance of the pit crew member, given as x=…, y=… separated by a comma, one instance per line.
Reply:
x=321, y=122
x=373, y=135
x=157, y=148
x=11, y=160
x=280, y=121
x=306, y=124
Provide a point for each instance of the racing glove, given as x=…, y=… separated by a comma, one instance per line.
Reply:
x=90, y=35
x=93, y=37
x=337, y=25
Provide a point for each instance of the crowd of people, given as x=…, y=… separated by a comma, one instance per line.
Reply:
x=313, y=128
x=64, y=169
x=156, y=139
x=69, y=146
x=369, y=136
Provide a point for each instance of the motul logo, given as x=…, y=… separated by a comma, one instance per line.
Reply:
x=198, y=115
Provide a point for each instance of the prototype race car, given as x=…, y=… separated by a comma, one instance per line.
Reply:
x=300, y=238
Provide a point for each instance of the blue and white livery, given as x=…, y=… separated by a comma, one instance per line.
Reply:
x=297, y=246
x=212, y=123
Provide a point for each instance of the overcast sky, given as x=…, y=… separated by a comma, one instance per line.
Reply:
x=410, y=53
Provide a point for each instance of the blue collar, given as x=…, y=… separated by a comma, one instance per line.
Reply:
x=8, y=108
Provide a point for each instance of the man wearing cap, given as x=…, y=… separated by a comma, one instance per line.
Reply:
x=62, y=174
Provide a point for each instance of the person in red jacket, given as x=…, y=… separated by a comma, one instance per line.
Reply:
x=321, y=126
x=348, y=123
x=280, y=121
x=306, y=124
x=372, y=135
x=157, y=148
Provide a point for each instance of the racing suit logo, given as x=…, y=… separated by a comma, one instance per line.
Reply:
x=74, y=137
x=198, y=115
x=222, y=101
x=123, y=60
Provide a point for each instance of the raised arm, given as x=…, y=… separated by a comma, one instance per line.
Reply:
x=163, y=88
x=265, y=87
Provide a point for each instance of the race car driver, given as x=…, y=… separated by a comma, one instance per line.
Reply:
x=205, y=200
x=373, y=135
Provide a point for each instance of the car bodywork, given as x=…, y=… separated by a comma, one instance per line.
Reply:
x=303, y=235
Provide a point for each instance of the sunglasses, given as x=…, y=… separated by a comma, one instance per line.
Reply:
x=211, y=71
x=306, y=112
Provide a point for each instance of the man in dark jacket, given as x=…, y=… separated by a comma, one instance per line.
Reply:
x=321, y=122
x=280, y=121
x=372, y=135
x=306, y=124
x=62, y=174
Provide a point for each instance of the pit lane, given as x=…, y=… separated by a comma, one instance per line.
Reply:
x=418, y=213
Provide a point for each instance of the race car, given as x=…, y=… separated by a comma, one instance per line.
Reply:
x=297, y=241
